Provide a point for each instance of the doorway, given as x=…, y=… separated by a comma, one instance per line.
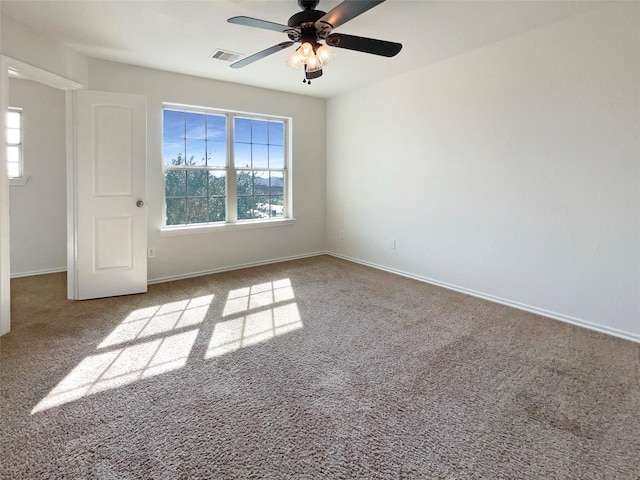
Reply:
x=14, y=69
x=38, y=213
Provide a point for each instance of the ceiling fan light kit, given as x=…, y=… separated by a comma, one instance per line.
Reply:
x=312, y=56
x=309, y=27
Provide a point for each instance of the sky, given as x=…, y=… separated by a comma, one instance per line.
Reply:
x=258, y=143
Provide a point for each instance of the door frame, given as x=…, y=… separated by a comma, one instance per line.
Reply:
x=10, y=67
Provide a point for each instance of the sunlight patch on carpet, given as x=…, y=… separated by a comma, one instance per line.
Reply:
x=148, y=342
x=160, y=319
x=253, y=315
x=158, y=339
x=256, y=296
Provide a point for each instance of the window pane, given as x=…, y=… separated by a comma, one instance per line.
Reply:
x=175, y=183
x=276, y=156
x=242, y=130
x=173, y=124
x=197, y=209
x=261, y=207
x=259, y=156
x=276, y=183
x=13, y=170
x=13, y=154
x=216, y=154
x=173, y=151
x=261, y=183
x=244, y=183
x=259, y=131
x=196, y=183
x=196, y=153
x=217, y=210
x=216, y=127
x=196, y=126
x=217, y=183
x=242, y=154
x=276, y=133
x=245, y=207
x=13, y=135
x=277, y=206
x=176, y=211
x=13, y=120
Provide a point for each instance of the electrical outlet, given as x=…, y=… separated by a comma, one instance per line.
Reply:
x=151, y=252
x=342, y=234
x=392, y=244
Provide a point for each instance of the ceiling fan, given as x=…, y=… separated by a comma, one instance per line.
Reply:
x=309, y=27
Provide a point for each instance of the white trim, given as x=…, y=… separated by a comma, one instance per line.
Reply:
x=233, y=267
x=72, y=186
x=38, y=272
x=223, y=227
x=29, y=72
x=492, y=298
x=5, y=252
x=221, y=111
x=18, y=181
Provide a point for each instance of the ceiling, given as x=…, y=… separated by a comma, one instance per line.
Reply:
x=181, y=35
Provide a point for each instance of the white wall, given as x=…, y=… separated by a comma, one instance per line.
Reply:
x=38, y=209
x=511, y=171
x=29, y=46
x=187, y=254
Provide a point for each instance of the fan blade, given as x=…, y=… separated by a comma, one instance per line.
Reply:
x=346, y=11
x=257, y=56
x=255, y=22
x=364, y=44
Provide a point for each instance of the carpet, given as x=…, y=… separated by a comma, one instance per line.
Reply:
x=308, y=369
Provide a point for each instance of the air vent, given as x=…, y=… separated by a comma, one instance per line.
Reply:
x=225, y=55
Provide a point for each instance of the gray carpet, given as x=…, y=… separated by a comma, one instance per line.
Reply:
x=315, y=368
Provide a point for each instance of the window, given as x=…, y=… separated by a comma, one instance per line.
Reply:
x=223, y=167
x=14, y=143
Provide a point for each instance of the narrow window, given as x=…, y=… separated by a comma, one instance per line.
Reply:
x=14, y=143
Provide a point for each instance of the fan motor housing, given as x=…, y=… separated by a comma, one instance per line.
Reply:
x=308, y=4
x=304, y=17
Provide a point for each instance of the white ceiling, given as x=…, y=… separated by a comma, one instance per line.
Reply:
x=181, y=35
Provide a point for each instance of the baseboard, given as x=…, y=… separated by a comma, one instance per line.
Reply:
x=38, y=272
x=191, y=274
x=232, y=267
x=520, y=306
x=492, y=298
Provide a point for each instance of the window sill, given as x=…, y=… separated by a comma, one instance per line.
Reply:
x=18, y=181
x=224, y=227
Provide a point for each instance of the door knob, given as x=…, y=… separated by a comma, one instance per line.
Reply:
x=140, y=203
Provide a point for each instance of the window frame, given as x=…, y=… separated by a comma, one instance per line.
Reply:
x=231, y=221
x=20, y=179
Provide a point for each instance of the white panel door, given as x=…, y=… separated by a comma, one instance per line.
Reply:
x=110, y=223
